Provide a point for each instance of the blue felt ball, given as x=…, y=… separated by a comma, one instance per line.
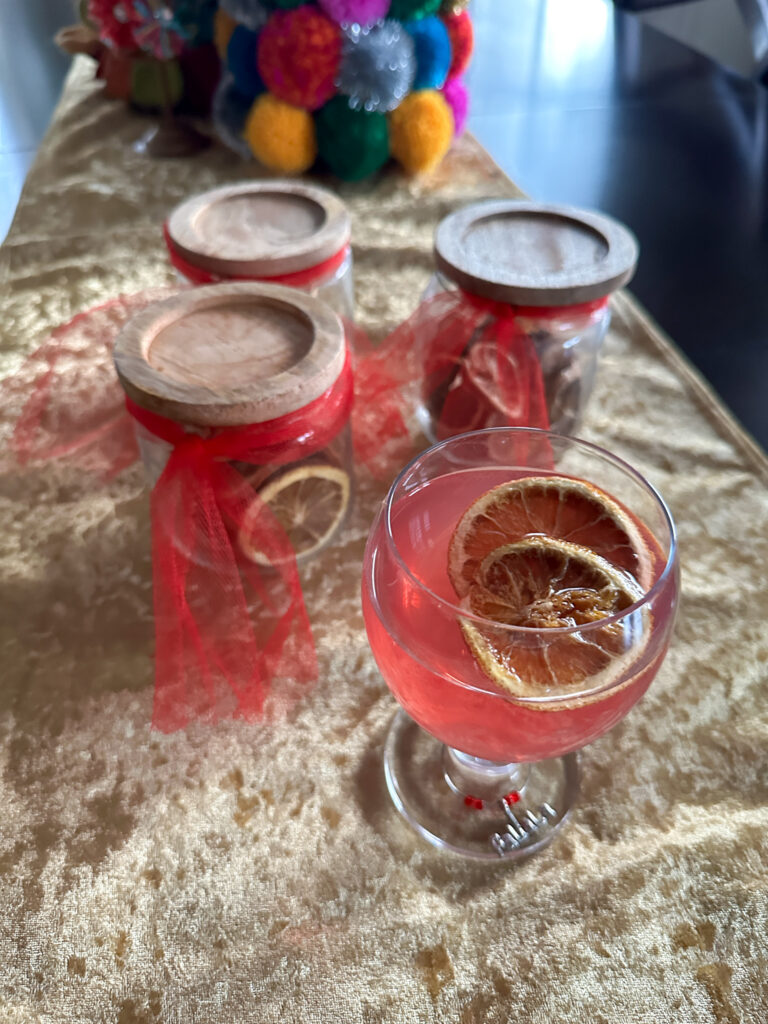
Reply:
x=377, y=67
x=230, y=109
x=433, y=52
x=241, y=62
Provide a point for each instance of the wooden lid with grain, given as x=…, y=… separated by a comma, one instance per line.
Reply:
x=260, y=228
x=534, y=254
x=230, y=354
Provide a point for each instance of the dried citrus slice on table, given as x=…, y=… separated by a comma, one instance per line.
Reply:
x=542, y=583
x=551, y=506
x=309, y=501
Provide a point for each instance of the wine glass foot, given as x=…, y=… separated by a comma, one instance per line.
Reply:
x=512, y=824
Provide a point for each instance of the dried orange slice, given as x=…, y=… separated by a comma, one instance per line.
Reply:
x=546, y=584
x=549, y=506
x=309, y=501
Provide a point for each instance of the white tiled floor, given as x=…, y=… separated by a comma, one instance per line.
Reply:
x=31, y=73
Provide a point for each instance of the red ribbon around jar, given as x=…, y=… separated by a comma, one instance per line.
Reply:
x=467, y=360
x=299, y=279
x=213, y=655
x=225, y=626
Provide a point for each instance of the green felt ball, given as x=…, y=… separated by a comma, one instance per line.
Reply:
x=284, y=5
x=354, y=143
x=411, y=10
x=147, y=86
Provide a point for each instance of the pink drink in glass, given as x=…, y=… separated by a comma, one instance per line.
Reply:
x=414, y=633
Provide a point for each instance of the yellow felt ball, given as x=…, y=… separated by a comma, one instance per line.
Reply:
x=421, y=131
x=223, y=27
x=281, y=137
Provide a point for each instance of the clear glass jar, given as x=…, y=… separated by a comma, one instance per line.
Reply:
x=261, y=375
x=311, y=496
x=519, y=343
x=276, y=232
x=335, y=287
x=567, y=345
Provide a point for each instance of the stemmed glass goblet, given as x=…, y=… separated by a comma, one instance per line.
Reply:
x=476, y=768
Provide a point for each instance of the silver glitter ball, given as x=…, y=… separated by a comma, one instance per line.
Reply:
x=378, y=66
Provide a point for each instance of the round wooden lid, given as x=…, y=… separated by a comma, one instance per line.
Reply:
x=260, y=228
x=532, y=254
x=230, y=354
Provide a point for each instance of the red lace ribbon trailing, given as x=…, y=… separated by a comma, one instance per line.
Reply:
x=66, y=401
x=467, y=360
x=298, y=279
x=213, y=657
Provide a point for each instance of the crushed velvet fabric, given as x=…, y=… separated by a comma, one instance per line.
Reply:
x=260, y=873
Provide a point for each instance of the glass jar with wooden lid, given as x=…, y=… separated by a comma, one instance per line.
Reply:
x=531, y=283
x=279, y=232
x=248, y=385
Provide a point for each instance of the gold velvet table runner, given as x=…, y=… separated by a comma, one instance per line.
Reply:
x=259, y=873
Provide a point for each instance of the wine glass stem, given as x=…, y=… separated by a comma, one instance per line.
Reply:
x=484, y=780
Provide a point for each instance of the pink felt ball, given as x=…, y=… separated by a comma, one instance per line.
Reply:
x=298, y=56
x=355, y=12
x=457, y=98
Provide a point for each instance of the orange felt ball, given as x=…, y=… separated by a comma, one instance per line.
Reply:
x=280, y=136
x=421, y=131
x=298, y=56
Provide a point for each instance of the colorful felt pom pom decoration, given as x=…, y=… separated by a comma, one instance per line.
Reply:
x=354, y=143
x=462, y=36
x=457, y=98
x=421, y=131
x=281, y=137
x=378, y=65
x=355, y=12
x=298, y=56
x=433, y=52
x=351, y=83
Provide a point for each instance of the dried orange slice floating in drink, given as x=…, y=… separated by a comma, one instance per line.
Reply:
x=309, y=501
x=547, y=584
x=550, y=506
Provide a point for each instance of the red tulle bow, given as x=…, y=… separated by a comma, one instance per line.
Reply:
x=214, y=654
x=466, y=361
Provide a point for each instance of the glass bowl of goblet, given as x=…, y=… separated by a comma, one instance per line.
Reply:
x=477, y=535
